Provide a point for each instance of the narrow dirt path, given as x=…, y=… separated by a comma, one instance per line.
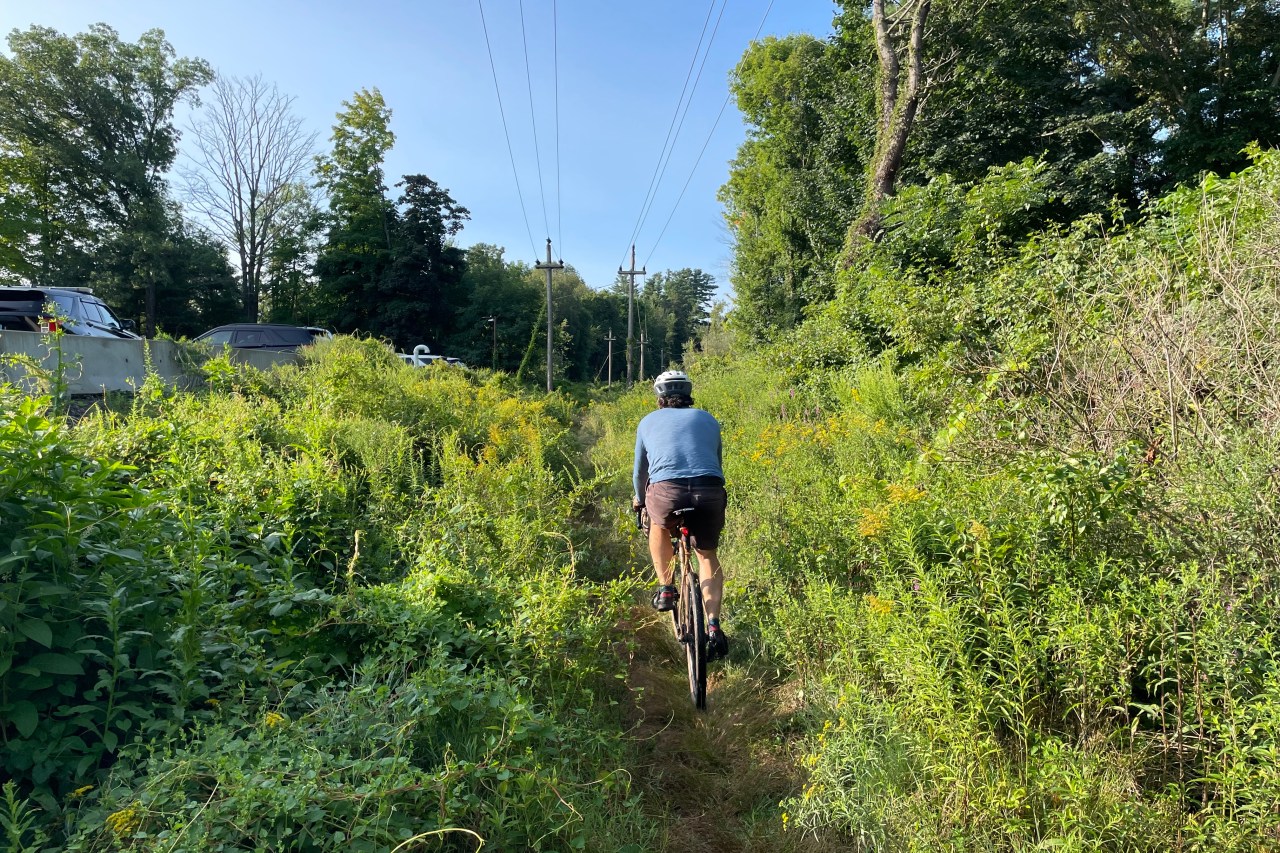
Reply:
x=719, y=774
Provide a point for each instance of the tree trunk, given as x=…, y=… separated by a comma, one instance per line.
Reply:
x=900, y=91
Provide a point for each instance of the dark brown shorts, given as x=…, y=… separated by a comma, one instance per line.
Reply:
x=661, y=499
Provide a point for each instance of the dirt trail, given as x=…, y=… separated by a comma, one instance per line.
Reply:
x=720, y=773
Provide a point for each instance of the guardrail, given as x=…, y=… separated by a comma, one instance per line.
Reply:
x=95, y=365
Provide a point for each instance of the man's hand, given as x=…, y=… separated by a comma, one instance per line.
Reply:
x=636, y=506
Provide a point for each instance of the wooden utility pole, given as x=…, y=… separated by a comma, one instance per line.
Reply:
x=610, y=339
x=631, y=297
x=549, y=266
x=641, y=356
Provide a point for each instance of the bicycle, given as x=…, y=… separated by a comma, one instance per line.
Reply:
x=687, y=619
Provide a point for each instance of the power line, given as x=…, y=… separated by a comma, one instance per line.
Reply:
x=710, y=134
x=694, y=61
x=683, y=115
x=533, y=115
x=680, y=198
x=505, y=132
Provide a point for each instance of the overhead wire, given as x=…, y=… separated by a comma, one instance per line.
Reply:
x=687, y=180
x=505, y=132
x=533, y=115
x=710, y=134
x=671, y=127
x=683, y=116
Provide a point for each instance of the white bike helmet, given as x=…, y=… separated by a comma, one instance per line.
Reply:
x=673, y=382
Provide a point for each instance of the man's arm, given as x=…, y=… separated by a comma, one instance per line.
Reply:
x=640, y=474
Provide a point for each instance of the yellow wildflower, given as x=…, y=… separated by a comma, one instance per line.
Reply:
x=785, y=818
x=213, y=703
x=80, y=792
x=126, y=821
x=874, y=520
x=880, y=607
x=903, y=494
x=979, y=531
x=272, y=719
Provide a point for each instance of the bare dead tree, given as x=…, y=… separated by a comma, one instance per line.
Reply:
x=250, y=154
x=899, y=99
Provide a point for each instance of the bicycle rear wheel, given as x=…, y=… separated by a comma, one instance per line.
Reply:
x=695, y=639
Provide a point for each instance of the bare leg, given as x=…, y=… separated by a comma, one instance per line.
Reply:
x=712, y=581
x=661, y=551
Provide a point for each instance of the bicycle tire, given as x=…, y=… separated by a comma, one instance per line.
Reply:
x=696, y=643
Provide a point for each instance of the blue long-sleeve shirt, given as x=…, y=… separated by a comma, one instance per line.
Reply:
x=676, y=443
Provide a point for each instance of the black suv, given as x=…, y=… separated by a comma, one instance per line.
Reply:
x=274, y=337
x=75, y=309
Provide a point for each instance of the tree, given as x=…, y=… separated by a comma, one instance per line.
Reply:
x=192, y=286
x=798, y=180
x=86, y=135
x=250, y=152
x=494, y=287
x=289, y=286
x=676, y=303
x=417, y=298
x=898, y=98
x=357, y=248
x=1120, y=99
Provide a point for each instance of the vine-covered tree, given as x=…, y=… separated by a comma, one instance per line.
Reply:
x=1119, y=99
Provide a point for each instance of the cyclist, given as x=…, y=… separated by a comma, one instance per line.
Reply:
x=678, y=465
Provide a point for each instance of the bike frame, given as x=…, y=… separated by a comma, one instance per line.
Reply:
x=688, y=621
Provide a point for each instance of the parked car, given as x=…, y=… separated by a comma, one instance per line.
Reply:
x=74, y=310
x=274, y=337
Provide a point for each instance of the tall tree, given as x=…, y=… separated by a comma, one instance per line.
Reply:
x=357, y=249
x=798, y=179
x=90, y=117
x=250, y=152
x=420, y=294
x=677, y=304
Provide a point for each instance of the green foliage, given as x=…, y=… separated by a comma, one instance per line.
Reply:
x=349, y=600
x=1019, y=565
x=86, y=133
x=798, y=179
x=1125, y=100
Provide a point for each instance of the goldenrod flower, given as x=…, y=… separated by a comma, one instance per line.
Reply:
x=880, y=607
x=979, y=531
x=272, y=719
x=79, y=792
x=874, y=520
x=903, y=494
x=126, y=821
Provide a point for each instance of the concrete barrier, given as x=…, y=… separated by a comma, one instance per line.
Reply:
x=95, y=365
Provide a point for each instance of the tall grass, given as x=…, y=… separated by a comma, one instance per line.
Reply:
x=1025, y=582
x=347, y=606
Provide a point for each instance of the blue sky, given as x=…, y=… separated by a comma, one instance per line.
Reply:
x=621, y=69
